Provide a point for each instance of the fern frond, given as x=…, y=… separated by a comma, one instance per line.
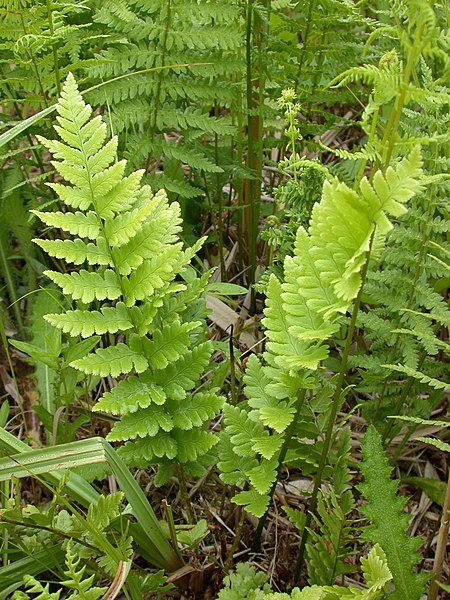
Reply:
x=388, y=524
x=139, y=259
x=320, y=282
x=35, y=587
x=254, y=502
x=193, y=444
x=233, y=468
x=130, y=395
x=182, y=375
x=77, y=251
x=434, y=383
x=144, y=423
x=104, y=510
x=83, y=225
x=83, y=586
x=195, y=411
x=168, y=344
x=326, y=548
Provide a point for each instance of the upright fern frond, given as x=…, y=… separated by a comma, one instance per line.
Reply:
x=133, y=265
x=321, y=281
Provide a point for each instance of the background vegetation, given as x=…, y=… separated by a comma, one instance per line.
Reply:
x=224, y=299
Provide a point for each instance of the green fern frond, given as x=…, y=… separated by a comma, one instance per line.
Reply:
x=320, y=282
x=388, y=524
x=328, y=547
x=139, y=260
x=113, y=361
x=35, y=587
x=253, y=501
x=82, y=586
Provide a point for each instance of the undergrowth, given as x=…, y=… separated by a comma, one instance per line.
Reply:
x=298, y=149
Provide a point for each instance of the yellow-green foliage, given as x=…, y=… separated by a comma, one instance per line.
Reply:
x=131, y=283
x=321, y=281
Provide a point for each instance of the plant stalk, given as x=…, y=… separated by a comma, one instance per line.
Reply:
x=54, y=47
x=332, y=418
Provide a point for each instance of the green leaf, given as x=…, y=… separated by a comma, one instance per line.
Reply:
x=435, y=442
x=142, y=423
x=193, y=443
x=196, y=410
x=433, y=488
x=37, y=354
x=86, y=323
x=434, y=383
x=79, y=350
x=168, y=343
x=218, y=288
x=130, y=395
x=263, y=475
x=254, y=502
x=384, y=510
x=87, y=286
x=111, y=361
x=85, y=225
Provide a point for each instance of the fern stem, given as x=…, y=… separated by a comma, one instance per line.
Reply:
x=441, y=545
x=390, y=133
x=255, y=87
x=236, y=541
x=364, y=161
x=160, y=78
x=233, y=391
x=184, y=495
x=298, y=406
x=54, y=47
x=305, y=42
x=238, y=179
x=331, y=420
x=219, y=198
x=248, y=187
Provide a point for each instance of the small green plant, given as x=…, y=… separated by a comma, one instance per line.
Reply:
x=244, y=584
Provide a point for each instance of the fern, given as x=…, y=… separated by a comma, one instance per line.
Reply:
x=82, y=586
x=406, y=313
x=136, y=236
x=37, y=44
x=246, y=584
x=328, y=546
x=179, y=100
x=35, y=587
x=388, y=524
x=321, y=281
